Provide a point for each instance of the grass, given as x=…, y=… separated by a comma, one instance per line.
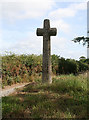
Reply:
x=66, y=97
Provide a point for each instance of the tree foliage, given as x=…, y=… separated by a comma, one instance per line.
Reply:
x=85, y=40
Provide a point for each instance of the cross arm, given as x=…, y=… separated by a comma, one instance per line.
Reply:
x=53, y=31
x=39, y=32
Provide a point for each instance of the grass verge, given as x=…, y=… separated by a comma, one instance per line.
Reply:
x=66, y=97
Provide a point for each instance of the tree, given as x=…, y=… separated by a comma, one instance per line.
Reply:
x=84, y=39
x=82, y=57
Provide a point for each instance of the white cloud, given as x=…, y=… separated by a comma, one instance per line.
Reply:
x=30, y=44
x=58, y=16
x=25, y=9
x=1, y=41
x=58, y=45
x=66, y=48
x=62, y=12
x=74, y=1
x=79, y=6
x=33, y=44
x=61, y=26
x=69, y=11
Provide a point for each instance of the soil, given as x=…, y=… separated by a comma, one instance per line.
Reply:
x=11, y=89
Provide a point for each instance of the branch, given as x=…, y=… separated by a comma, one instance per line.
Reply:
x=79, y=39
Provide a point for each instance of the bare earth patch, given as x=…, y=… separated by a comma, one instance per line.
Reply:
x=11, y=89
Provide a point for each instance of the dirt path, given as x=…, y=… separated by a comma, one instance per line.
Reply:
x=10, y=89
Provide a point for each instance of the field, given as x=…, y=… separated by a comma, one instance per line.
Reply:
x=66, y=97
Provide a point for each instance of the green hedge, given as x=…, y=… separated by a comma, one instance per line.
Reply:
x=22, y=68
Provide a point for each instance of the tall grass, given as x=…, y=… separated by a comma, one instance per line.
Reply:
x=66, y=97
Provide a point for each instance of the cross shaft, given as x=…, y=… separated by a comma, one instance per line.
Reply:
x=46, y=32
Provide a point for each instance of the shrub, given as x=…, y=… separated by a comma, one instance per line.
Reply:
x=68, y=66
x=82, y=66
x=22, y=68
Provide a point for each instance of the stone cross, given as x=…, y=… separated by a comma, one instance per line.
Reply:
x=46, y=32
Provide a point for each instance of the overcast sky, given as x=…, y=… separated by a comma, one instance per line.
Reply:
x=20, y=19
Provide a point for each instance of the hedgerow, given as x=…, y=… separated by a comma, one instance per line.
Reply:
x=24, y=68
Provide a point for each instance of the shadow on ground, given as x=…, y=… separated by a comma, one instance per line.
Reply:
x=42, y=101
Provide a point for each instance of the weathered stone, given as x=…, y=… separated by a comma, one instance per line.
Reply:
x=46, y=32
